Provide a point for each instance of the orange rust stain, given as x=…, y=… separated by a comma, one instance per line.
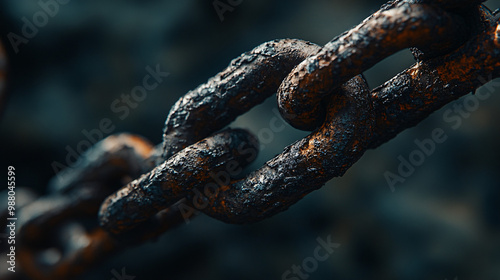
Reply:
x=458, y=69
x=497, y=35
x=405, y=107
x=355, y=143
x=224, y=188
x=118, y=162
x=143, y=147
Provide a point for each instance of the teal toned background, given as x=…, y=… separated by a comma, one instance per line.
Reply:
x=442, y=222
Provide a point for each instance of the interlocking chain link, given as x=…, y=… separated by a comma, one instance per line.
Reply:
x=128, y=182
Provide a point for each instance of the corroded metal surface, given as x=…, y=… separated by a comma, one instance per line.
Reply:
x=457, y=50
x=108, y=162
x=246, y=82
x=76, y=194
x=304, y=166
x=288, y=177
x=450, y=4
x=425, y=87
x=53, y=225
x=395, y=27
x=175, y=178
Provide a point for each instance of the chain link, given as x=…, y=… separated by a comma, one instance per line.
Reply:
x=321, y=89
x=396, y=26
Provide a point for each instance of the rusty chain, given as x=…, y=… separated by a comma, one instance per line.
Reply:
x=320, y=89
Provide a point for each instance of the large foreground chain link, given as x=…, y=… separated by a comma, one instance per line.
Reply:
x=457, y=47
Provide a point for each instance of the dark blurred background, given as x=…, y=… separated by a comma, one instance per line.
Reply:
x=442, y=222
